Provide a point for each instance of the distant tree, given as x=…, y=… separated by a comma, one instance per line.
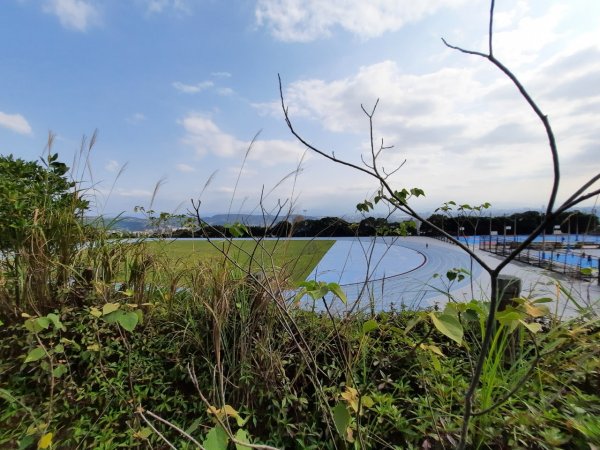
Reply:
x=325, y=227
x=281, y=229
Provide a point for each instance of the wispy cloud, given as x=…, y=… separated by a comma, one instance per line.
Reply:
x=160, y=6
x=15, y=122
x=136, y=118
x=192, y=88
x=207, y=138
x=221, y=74
x=185, y=168
x=307, y=20
x=78, y=15
x=225, y=91
x=112, y=166
x=121, y=192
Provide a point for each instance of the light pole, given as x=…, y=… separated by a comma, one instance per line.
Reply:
x=568, y=220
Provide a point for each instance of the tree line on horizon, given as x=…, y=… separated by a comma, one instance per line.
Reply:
x=572, y=222
x=521, y=223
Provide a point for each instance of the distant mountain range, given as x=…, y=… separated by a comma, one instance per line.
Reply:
x=127, y=223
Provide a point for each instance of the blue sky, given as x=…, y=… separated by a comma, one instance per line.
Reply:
x=178, y=88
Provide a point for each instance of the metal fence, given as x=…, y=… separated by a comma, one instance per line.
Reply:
x=555, y=255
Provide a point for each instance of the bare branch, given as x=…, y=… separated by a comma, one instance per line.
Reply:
x=491, y=28
x=140, y=411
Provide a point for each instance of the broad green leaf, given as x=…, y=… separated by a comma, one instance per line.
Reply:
x=369, y=326
x=432, y=348
x=337, y=290
x=508, y=316
x=35, y=354
x=448, y=325
x=45, y=441
x=109, y=308
x=367, y=401
x=56, y=321
x=242, y=436
x=341, y=417
x=140, y=315
x=112, y=317
x=533, y=327
x=128, y=320
x=542, y=300
x=26, y=442
x=32, y=326
x=470, y=316
x=59, y=348
x=216, y=439
x=43, y=322
x=59, y=371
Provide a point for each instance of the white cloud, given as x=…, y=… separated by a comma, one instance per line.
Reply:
x=307, y=20
x=225, y=91
x=206, y=138
x=185, y=168
x=192, y=88
x=461, y=127
x=136, y=118
x=159, y=6
x=15, y=122
x=221, y=74
x=112, y=166
x=522, y=40
x=133, y=193
x=273, y=151
x=76, y=15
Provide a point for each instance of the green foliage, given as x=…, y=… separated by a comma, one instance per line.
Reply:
x=79, y=363
x=237, y=230
x=40, y=230
x=397, y=198
x=28, y=191
x=319, y=289
x=448, y=325
x=406, y=389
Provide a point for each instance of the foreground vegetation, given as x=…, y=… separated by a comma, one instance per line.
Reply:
x=229, y=353
x=126, y=344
